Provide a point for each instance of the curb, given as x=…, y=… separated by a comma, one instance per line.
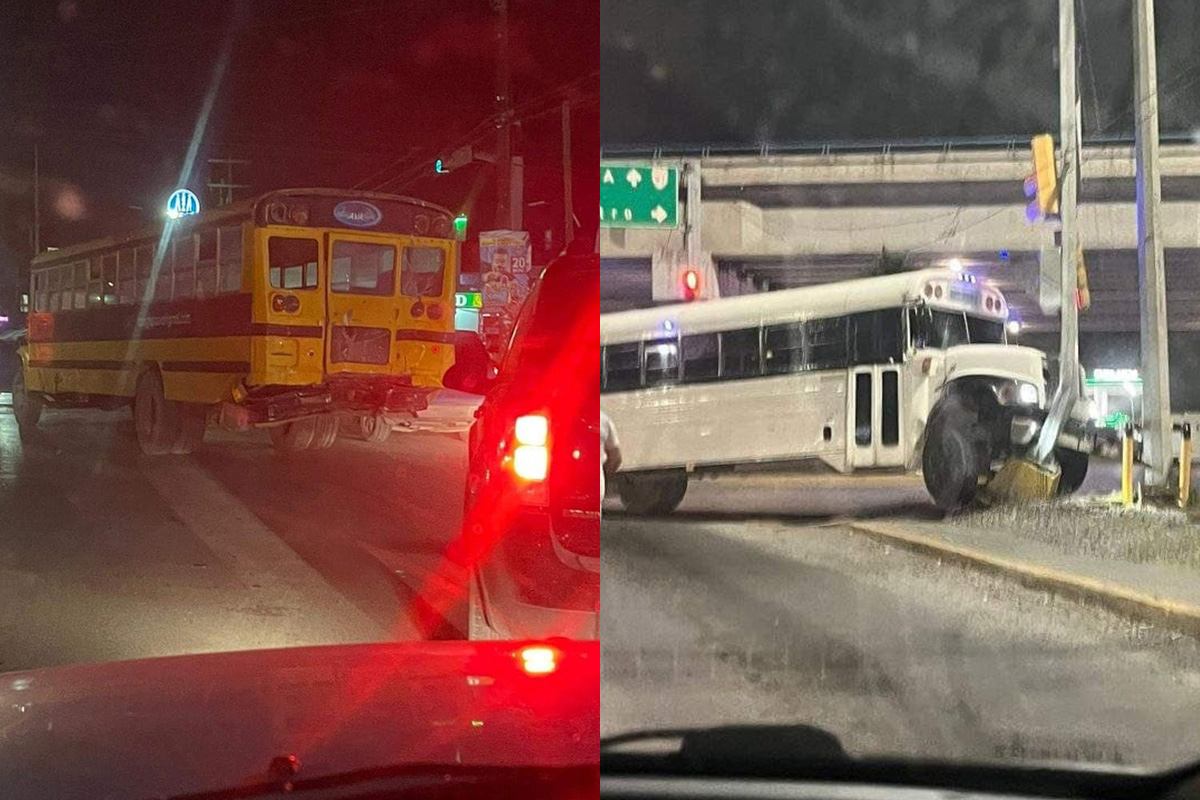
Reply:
x=1180, y=617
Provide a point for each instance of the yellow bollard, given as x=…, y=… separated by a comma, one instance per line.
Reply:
x=1127, y=468
x=1185, y=465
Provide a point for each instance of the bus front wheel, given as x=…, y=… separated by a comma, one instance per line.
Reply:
x=956, y=454
x=156, y=419
x=657, y=494
x=27, y=405
x=1073, y=468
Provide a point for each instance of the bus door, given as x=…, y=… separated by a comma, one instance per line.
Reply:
x=874, y=421
x=427, y=281
x=363, y=316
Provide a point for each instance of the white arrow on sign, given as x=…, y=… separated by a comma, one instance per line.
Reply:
x=634, y=177
x=608, y=176
x=659, y=214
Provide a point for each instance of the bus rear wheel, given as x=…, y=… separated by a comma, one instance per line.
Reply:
x=27, y=405
x=292, y=437
x=373, y=428
x=652, y=494
x=956, y=454
x=326, y=432
x=156, y=419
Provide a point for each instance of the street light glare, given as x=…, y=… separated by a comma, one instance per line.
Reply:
x=956, y=264
x=1014, y=326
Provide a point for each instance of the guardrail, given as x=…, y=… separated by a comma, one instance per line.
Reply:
x=859, y=146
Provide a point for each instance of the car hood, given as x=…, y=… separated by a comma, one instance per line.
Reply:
x=197, y=723
x=998, y=360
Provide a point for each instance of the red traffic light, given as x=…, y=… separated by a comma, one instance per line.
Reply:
x=691, y=284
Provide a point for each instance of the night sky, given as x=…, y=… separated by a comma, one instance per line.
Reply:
x=316, y=93
x=752, y=71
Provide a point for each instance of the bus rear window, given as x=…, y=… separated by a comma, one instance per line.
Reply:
x=362, y=268
x=293, y=262
x=422, y=271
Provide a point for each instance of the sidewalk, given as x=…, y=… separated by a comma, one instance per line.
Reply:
x=1144, y=563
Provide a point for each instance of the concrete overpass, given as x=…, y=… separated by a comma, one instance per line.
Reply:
x=783, y=220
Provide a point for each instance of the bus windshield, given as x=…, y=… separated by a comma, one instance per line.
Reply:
x=933, y=328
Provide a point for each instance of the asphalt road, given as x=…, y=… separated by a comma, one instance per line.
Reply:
x=724, y=613
x=107, y=554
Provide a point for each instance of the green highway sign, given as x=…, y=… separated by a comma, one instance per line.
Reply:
x=639, y=196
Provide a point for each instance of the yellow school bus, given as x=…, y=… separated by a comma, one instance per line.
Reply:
x=302, y=310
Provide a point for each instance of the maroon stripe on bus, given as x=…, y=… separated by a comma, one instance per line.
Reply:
x=224, y=315
x=417, y=335
x=206, y=366
x=62, y=363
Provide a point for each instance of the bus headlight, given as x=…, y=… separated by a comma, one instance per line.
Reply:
x=1027, y=394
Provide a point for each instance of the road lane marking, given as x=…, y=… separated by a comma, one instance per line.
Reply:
x=250, y=549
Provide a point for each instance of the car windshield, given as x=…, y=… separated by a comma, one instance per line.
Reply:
x=827, y=515
x=254, y=245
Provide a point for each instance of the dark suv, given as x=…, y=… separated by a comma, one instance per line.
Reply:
x=532, y=521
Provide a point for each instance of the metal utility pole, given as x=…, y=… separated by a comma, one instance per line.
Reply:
x=37, y=205
x=224, y=189
x=504, y=210
x=1069, y=139
x=568, y=211
x=1156, y=386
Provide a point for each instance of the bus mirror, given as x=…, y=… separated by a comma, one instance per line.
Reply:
x=927, y=365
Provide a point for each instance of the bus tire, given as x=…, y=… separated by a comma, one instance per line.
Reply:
x=193, y=422
x=1073, y=469
x=292, y=437
x=375, y=429
x=156, y=419
x=27, y=405
x=326, y=432
x=956, y=454
x=651, y=495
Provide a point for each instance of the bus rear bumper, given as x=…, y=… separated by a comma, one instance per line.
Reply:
x=393, y=398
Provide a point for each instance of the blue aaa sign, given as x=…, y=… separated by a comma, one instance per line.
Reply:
x=181, y=203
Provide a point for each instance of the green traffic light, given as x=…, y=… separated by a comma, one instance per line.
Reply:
x=460, y=227
x=437, y=166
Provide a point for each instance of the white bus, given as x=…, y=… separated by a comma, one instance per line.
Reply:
x=901, y=372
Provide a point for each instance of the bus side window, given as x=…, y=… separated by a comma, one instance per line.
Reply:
x=862, y=408
x=700, y=357
x=740, y=353
x=126, y=277
x=877, y=336
x=206, y=264
x=76, y=275
x=230, y=247
x=185, y=267
x=825, y=344
x=662, y=361
x=783, y=348
x=623, y=365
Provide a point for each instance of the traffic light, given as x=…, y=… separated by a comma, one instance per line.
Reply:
x=689, y=280
x=460, y=227
x=1042, y=186
x=439, y=167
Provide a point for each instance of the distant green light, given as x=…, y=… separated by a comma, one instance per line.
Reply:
x=439, y=167
x=460, y=227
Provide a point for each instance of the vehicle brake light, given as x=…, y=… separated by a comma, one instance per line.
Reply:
x=532, y=429
x=538, y=659
x=531, y=463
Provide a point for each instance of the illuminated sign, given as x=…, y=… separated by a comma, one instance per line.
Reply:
x=468, y=300
x=357, y=214
x=1115, y=376
x=181, y=203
